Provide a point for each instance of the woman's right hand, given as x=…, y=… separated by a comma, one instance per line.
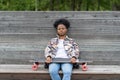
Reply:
x=48, y=60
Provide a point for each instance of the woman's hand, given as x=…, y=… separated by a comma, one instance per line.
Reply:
x=48, y=60
x=73, y=60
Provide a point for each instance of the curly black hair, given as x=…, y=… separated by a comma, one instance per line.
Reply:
x=61, y=21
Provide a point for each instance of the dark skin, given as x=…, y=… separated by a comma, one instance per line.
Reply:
x=61, y=31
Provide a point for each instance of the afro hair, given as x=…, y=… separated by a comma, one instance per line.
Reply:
x=61, y=21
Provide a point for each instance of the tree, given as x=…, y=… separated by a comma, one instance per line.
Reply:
x=59, y=5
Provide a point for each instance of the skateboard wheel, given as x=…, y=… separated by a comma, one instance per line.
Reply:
x=34, y=67
x=84, y=67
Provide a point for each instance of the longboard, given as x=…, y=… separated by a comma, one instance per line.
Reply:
x=59, y=60
x=38, y=61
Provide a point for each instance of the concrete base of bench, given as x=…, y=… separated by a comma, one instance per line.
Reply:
x=24, y=72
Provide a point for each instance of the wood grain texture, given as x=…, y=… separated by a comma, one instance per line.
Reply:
x=25, y=34
x=24, y=72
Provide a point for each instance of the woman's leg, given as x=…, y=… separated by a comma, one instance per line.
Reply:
x=53, y=70
x=67, y=70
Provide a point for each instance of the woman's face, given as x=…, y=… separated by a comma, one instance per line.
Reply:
x=61, y=30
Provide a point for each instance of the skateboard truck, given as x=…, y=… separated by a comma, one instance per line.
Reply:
x=84, y=67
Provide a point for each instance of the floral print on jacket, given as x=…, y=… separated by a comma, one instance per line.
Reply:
x=70, y=46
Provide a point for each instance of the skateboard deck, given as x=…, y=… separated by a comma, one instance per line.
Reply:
x=59, y=60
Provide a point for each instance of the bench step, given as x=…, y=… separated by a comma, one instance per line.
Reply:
x=92, y=69
x=24, y=72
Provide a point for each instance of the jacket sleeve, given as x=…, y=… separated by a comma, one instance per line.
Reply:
x=76, y=51
x=48, y=51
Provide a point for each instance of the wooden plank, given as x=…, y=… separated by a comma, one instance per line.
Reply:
x=26, y=38
x=47, y=77
x=58, y=14
x=85, y=31
x=23, y=57
x=21, y=54
x=47, y=22
x=38, y=46
x=39, y=38
x=92, y=69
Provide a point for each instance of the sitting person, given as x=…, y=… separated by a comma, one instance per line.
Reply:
x=61, y=47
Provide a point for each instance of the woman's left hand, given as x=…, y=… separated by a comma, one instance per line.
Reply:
x=73, y=60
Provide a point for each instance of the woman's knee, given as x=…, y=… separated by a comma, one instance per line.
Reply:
x=53, y=68
x=67, y=68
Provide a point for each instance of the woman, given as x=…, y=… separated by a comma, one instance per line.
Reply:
x=61, y=47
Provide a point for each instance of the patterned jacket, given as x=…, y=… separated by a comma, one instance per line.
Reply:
x=70, y=46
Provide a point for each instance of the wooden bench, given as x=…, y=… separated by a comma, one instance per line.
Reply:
x=24, y=36
x=24, y=72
